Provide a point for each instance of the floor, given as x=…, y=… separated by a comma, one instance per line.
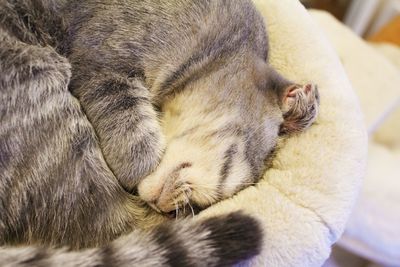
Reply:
x=342, y=258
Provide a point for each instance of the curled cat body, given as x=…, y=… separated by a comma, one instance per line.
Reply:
x=99, y=100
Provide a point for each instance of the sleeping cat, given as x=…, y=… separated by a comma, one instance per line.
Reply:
x=179, y=99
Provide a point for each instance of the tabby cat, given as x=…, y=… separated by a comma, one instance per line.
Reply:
x=108, y=107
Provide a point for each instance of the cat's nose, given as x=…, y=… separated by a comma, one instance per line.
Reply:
x=159, y=193
x=165, y=203
x=166, y=190
x=161, y=201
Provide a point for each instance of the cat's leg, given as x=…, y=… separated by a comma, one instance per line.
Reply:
x=300, y=105
x=126, y=123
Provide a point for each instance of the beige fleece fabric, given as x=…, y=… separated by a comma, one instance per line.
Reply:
x=374, y=70
x=304, y=200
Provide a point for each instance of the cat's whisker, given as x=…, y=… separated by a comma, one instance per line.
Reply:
x=211, y=186
x=226, y=183
x=184, y=201
x=188, y=200
x=190, y=205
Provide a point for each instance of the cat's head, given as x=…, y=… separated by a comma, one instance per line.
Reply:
x=219, y=133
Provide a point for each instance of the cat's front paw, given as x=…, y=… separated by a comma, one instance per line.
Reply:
x=300, y=108
x=121, y=111
x=133, y=159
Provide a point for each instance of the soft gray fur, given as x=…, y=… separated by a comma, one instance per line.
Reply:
x=125, y=62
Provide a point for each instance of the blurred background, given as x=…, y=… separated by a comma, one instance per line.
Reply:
x=375, y=20
x=366, y=36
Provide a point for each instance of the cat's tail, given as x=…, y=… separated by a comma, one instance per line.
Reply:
x=217, y=241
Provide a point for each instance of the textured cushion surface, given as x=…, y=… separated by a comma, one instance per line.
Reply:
x=373, y=229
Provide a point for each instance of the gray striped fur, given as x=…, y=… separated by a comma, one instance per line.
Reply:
x=187, y=243
x=101, y=99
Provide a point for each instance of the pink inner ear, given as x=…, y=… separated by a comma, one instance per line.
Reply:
x=291, y=90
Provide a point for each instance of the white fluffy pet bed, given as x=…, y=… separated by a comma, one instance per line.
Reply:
x=305, y=199
x=373, y=230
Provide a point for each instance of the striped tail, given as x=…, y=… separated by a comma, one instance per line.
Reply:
x=218, y=241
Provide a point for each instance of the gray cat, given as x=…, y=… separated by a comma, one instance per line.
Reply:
x=179, y=99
